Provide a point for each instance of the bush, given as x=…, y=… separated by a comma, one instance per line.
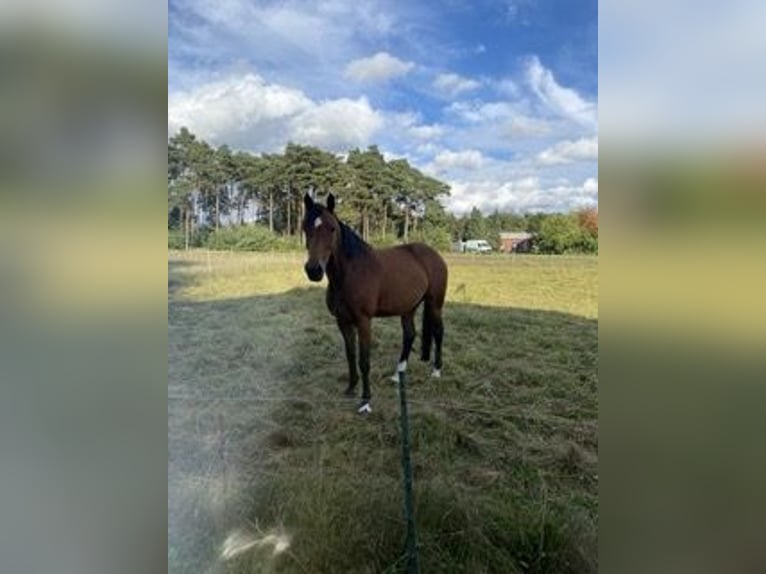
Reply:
x=249, y=238
x=559, y=234
x=588, y=243
x=387, y=241
x=436, y=237
x=176, y=239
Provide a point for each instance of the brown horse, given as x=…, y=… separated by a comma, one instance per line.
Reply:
x=366, y=283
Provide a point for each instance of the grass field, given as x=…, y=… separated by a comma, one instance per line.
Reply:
x=271, y=470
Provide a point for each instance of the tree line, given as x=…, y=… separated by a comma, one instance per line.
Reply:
x=215, y=195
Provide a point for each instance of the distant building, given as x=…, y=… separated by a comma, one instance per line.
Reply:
x=515, y=241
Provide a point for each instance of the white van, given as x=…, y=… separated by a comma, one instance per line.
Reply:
x=476, y=246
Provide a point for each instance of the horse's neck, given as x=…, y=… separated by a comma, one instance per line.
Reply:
x=343, y=261
x=341, y=267
x=337, y=269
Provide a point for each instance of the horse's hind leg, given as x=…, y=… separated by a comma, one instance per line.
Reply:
x=427, y=334
x=438, y=330
x=433, y=334
x=408, y=338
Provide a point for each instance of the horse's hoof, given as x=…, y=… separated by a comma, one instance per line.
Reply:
x=436, y=373
x=364, y=409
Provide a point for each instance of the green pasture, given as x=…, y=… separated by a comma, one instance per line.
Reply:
x=270, y=469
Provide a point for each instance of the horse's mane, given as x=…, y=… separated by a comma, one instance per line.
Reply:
x=352, y=245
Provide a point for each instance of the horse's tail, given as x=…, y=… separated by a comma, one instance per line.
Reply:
x=433, y=300
x=427, y=337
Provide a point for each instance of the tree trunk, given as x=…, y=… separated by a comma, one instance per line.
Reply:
x=190, y=229
x=217, y=208
x=303, y=216
x=186, y=229
x=385, y=210
x=295, y=217
x=406, y=224
x=271, y=211
x=288, y=215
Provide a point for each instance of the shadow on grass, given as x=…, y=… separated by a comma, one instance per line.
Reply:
x=264, y=452
x=179, y=276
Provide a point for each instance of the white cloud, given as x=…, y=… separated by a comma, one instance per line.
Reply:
x=482, y=112
x=404, y=127
x=489, y=195
x=564, y=101
x=525, y=194
x=490, y=125
x=427, y=132
x=523, y=126
x=337, y=124
x=508, y=87
x=378, y=68
x=298, y=43
x=514, y=116
x=567, y=151
x=234, y=105
x=466, y=159
x=246, y=112
x=427, y=149
x=568, y=197
x=591, y=186
x=453, y=84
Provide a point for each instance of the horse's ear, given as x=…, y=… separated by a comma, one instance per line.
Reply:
x=308, y=201
x=331, y=203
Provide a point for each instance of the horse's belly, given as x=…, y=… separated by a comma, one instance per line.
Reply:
x=401, y=297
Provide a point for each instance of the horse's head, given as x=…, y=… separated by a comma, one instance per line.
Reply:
x=322, y=235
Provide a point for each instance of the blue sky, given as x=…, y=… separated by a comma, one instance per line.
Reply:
x=497, y=98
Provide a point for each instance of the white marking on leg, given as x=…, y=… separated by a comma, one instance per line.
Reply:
x=317, y=222
x=436, y=373
x=364, y=409
x=401, y=367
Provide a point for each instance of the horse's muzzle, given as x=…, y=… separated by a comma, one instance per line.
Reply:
x=314, y=272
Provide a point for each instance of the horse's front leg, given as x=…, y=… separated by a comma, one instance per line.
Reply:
x=349, y=340
x=363, y=326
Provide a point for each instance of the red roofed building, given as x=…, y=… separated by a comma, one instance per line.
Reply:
x=515, y=241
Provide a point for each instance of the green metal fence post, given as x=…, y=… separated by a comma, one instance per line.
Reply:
x=409, y=509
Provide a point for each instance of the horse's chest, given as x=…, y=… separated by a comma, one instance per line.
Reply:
x=345, y=305
x=337, y=305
